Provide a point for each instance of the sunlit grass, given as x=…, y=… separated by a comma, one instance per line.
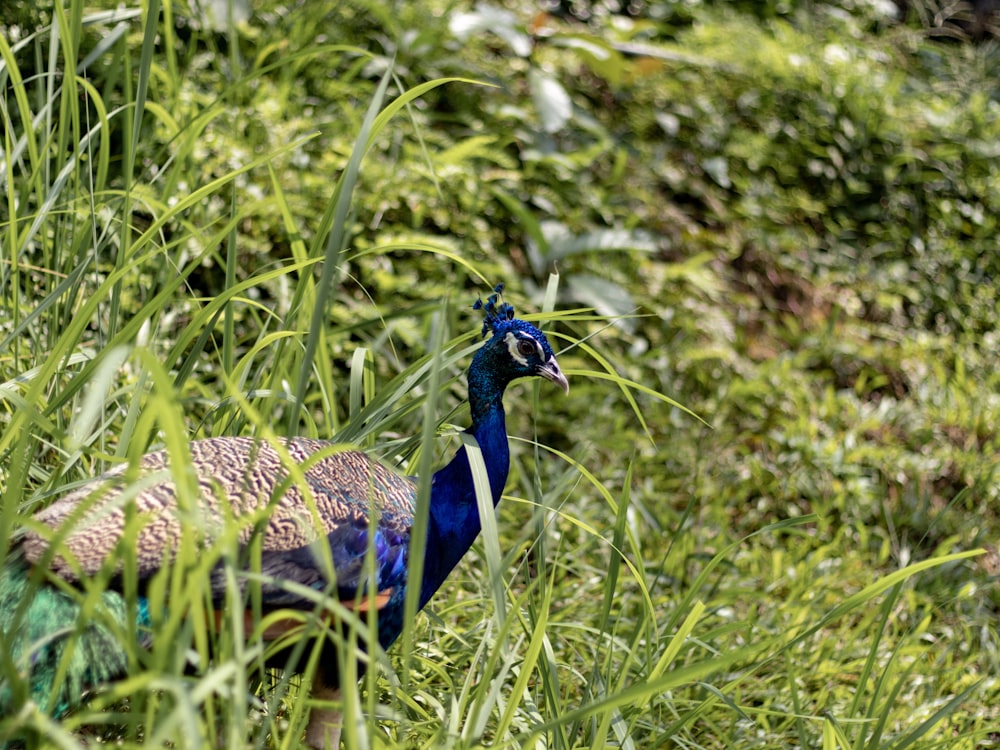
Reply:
x=599, y=611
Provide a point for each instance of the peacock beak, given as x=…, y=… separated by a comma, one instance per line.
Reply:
x=550, y=371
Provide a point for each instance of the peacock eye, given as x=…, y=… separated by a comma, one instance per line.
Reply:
x=526, y=348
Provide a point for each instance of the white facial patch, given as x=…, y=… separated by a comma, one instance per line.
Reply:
x=512, y=341
x=514, y=345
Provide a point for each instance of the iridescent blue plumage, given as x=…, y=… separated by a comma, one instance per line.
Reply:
x=344, y=488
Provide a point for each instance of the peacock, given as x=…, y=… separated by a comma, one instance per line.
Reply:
x=363, y=509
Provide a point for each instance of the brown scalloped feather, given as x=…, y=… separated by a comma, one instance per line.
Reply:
x=237, y=477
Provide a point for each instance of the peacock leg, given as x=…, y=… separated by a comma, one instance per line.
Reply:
x=325, y=722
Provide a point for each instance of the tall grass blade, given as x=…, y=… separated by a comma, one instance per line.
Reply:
x=487, y=518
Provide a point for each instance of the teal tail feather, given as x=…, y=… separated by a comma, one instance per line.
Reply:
x=48, y=655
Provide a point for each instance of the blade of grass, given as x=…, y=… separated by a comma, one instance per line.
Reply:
x=336, y=241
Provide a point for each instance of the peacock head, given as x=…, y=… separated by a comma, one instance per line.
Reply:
x=517, y=349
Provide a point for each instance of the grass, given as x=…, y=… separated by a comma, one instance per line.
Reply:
x=624, y=598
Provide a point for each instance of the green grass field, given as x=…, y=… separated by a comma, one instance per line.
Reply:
x=762, y=242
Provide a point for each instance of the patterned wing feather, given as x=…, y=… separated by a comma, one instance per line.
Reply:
x=247, y=480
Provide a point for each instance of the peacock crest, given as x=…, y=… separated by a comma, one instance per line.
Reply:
x=496, y=313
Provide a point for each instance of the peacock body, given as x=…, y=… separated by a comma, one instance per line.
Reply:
x=354, y=510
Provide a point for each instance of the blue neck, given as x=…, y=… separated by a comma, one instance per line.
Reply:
x=454, y=520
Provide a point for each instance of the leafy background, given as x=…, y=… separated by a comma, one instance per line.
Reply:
x=782, y=215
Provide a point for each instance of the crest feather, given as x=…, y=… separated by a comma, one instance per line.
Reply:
x=496, y=313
